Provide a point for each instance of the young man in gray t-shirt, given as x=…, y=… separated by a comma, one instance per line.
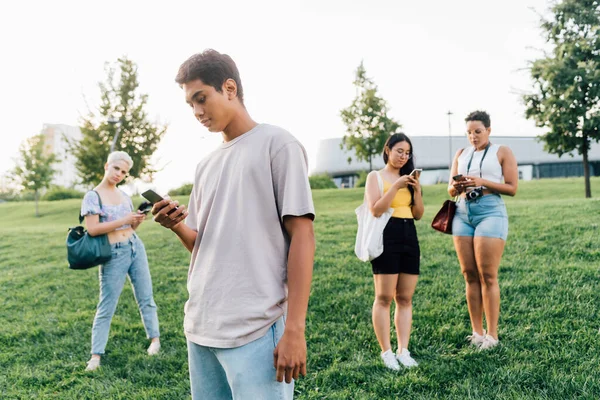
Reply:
x=249, y=227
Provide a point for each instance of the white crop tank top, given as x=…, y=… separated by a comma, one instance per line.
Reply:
x=491, y=169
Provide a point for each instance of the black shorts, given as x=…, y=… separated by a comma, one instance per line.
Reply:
x=401, y=252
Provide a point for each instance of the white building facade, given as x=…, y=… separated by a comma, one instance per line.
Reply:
x=434, y=154
x=56, y=142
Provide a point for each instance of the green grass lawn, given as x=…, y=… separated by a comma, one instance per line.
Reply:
x=549, y=323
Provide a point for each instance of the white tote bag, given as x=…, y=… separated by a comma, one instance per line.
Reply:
x=369, y=237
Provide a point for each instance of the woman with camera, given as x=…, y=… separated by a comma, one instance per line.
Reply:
x=480, y=174
x=396, y=270
x=109, y=210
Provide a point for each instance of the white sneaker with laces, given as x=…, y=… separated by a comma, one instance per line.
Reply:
x=154, y=348
x=476, y=339
x=390, y=361
x=405, y=359
x=489, y=342
x=93, y=364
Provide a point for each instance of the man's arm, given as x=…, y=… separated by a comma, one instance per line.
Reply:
x=174, y=221
x=290, y=353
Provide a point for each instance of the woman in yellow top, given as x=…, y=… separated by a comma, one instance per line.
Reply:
x=396, y=270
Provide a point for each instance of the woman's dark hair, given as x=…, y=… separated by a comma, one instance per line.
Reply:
x=480, y=116
x=410, y=164
x=213, y=69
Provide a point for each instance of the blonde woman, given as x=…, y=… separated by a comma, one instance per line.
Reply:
x=109, y=210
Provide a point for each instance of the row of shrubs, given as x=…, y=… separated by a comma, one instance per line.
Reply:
x=52, y=194
x=62, y=193
x=320, y=181
x=324, y=181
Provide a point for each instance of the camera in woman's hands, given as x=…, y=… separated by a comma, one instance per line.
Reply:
x=476, y=193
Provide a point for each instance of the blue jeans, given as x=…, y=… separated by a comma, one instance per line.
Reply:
x=239, y=373
x=128, y=258
x=485, y=216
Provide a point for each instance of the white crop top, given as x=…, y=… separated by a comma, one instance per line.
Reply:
x=491, y=168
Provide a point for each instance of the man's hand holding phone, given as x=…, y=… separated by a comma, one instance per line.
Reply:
x=169, y=213
x=166, y=212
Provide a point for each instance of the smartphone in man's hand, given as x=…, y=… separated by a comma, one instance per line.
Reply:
x=154, y=197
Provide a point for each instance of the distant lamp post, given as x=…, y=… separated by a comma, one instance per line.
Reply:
x=114, y=122
x=449, y=113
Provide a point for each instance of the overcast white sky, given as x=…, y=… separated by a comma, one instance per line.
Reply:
x=297, y=62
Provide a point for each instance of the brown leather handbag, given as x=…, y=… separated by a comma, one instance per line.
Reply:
x=443, y=219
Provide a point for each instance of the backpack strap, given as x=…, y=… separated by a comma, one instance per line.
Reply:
x=99, y=202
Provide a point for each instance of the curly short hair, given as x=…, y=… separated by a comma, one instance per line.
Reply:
x=480, y=116
x=213, y=69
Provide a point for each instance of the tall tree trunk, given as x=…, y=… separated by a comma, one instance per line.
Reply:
x=586, y=173
x=370, y=163
x=35, y=196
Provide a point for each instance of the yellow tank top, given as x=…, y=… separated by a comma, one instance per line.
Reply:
x=401, y=202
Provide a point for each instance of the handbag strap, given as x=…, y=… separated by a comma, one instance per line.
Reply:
x=99, y=202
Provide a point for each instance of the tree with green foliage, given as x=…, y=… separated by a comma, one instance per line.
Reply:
x=34, y=170
x=366, y=120
x=183, y=190
x=136, y=134
x=361, y=182
x=566, y=97
x=321, y=181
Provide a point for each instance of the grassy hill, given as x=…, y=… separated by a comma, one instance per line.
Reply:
x=549, y=323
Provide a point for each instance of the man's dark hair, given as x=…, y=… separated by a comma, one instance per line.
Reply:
x=212, y=68
x=480, y=116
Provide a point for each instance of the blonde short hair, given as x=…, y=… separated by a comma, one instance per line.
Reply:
x=120, y=156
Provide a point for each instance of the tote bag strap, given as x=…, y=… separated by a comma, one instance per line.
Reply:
x=380, y=183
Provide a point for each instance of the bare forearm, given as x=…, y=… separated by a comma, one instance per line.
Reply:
x=508, y=189
x=104, y=227
x=418, y=208
x=300, y=268
x=186, y=235
x=384, y=203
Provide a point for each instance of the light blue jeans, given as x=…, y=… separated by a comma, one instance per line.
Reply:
x=128, y=259
x=239, y=373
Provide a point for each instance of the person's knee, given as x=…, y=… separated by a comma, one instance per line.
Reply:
x=489, y=279
x=471, y=276
x=383, y=300
x=403, y=301
x=146, y=302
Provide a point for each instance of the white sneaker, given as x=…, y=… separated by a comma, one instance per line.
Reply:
x=390, y=361
x=476, y=339
x=93, y=364
x=489, y=342
x=154, y=348
x=405, y=359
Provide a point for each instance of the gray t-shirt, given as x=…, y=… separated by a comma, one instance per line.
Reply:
x=237, y=281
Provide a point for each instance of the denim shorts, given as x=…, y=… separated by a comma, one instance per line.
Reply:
x=485, y=216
